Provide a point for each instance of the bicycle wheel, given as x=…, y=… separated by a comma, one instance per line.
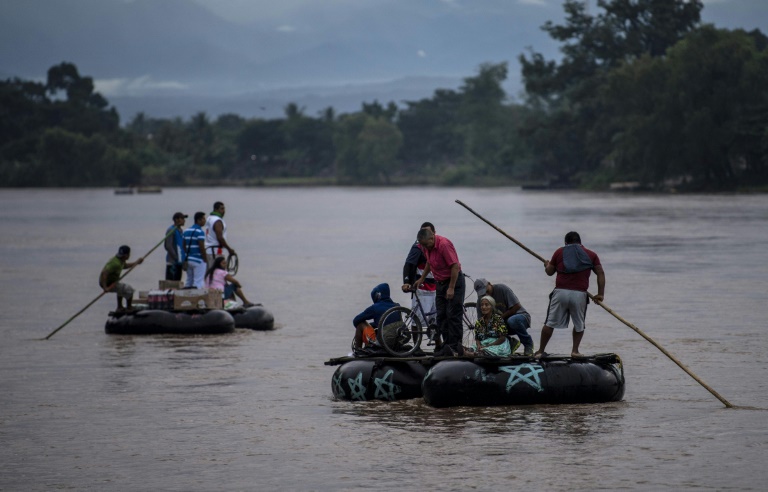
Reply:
x=468, y=324
x=402, y=334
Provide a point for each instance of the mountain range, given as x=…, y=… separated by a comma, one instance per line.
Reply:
x=171, y=58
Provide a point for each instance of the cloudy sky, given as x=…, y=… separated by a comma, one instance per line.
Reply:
x=237, y=48
x=282, y=13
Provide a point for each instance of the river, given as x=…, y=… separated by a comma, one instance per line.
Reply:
x=254, y=410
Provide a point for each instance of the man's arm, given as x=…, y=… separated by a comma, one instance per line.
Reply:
x=511, y=311
x=421, y=279
x=452, y=283
x=131, y=265
x=600, y=282
x=410, y=267
x=103, y=281
x=201, y=243
x=369, y=313
x=218, y=228
x=169, y=239
x=409, y=276
x=549, y=268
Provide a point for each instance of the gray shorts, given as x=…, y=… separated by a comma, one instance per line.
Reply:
x=566, y=305
x=124, y=290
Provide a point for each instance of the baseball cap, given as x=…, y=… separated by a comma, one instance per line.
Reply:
x=179, y=215
x=481, y=286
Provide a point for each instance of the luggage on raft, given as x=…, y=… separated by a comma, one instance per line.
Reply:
x=378, y=379
x=485, y=382
x=158, y=321
x=254, y=318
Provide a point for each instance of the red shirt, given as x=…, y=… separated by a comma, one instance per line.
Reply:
x=573, y=281
x=441, y=258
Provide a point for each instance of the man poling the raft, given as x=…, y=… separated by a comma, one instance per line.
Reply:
x=573, y=264
x=137, y=262
x=599, y=302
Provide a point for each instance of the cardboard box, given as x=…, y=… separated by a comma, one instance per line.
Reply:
x=171, y=284
x=190, y=299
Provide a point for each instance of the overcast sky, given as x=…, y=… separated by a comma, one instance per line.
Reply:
x=282, y=12
x=161, y=48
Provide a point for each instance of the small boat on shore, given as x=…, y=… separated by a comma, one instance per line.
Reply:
x=149, y=189
x=480, y=381
x=188, y=322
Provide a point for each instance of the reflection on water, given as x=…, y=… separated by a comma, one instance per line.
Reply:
x=415, y=417
x=253, y=410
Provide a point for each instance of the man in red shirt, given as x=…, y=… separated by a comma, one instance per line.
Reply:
x=443, y=263
x=573, y=264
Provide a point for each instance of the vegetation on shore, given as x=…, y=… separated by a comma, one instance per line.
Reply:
x=644, y=94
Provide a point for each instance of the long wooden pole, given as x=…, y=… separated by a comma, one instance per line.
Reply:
x=612, y=312
x=102, y=294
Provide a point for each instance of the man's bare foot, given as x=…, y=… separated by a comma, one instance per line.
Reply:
x=538, y=354
x=577, y=355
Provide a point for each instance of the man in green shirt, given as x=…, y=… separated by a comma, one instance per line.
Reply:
x=110, y=276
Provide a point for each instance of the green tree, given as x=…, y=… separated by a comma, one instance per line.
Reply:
x=260, y=148
x=309, y=143
x=432, y=133
x=699, y=114
x=83, y=111
x=568, y=92
x=484, y=118
x=70, y=159
x=366, y=149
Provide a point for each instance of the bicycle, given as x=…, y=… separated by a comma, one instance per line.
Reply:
x=401, y=333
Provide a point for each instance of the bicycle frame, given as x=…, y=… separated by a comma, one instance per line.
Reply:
x=429, y=318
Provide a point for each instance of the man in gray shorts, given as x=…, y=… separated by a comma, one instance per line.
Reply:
x=568, y=302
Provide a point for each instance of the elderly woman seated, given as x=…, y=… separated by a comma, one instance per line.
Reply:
x=491, y=333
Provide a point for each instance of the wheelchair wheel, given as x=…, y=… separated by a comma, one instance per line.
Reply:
x=468, y=324
x=402, y=333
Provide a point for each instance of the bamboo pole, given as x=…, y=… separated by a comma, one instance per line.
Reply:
x=612, y=312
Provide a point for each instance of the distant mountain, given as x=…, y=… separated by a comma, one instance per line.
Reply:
x=180, y=41
x=176, y=57
x=271, y=103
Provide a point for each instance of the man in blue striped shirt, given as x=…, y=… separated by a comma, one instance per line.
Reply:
x=194, y=245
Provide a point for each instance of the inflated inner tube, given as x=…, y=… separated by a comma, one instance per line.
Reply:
x=507, y=382
x=254, y=318
x=378, y=379
x=156, y=321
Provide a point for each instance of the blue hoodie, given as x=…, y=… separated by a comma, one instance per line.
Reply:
x=381, y=302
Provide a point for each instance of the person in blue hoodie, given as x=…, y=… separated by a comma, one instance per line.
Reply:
x=366, y=322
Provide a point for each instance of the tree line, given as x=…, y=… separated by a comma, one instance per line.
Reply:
x=643, y=92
